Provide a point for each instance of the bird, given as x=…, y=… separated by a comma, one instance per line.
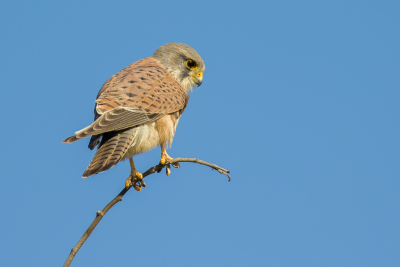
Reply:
x=139, y=108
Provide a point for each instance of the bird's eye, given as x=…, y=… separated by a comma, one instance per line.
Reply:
x=191, y=64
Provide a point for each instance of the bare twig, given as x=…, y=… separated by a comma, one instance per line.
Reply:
x=100, y=214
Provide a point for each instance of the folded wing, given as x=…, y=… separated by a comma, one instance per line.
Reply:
x=140, y=93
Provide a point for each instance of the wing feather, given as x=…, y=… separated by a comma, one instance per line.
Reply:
x=140, y=93
x=113, y=120
x=111, y=150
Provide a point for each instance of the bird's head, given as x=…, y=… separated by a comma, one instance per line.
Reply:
x=182, y=62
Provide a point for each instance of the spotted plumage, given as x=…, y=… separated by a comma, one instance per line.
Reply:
x=139, y=107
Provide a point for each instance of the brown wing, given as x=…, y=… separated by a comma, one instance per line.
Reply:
x=117, y=119
x=111, y=149
x=140, y=93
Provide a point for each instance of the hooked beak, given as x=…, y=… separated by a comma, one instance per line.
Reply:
x=198, y=78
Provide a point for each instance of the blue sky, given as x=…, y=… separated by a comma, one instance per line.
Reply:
x=299, y=100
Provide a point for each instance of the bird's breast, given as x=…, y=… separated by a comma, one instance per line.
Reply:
x=153, y=134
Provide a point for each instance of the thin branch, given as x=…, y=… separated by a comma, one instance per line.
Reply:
x=100, y=214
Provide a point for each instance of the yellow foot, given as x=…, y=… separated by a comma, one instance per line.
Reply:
x=176, y=165
x=166, y=158
x=136, y=180
x=137, y=187
x=168, y=170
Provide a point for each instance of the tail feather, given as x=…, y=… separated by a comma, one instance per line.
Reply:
x=94, y=141
x=111, y=150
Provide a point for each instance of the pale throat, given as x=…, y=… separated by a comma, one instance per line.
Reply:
x=187, y=83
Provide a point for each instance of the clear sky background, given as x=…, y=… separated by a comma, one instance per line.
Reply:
x=300, y=101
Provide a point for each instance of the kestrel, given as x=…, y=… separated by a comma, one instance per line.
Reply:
x=138, y=109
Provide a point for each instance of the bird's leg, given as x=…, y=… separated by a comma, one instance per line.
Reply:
x=165, y=158
x=135, y=178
